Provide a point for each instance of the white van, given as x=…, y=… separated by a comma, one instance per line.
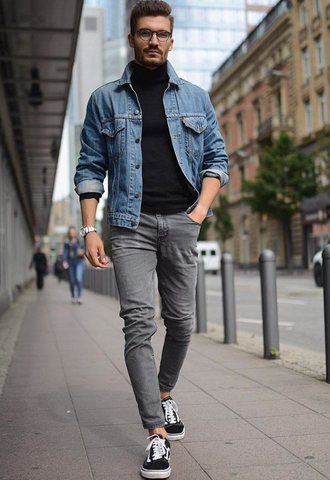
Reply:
x=210, y=251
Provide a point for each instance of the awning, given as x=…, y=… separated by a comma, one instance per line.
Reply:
x=38, y=41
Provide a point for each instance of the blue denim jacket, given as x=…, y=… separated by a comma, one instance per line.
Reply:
x=71, y=251
x=111, y=141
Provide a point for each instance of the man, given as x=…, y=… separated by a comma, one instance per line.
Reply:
x=158, y=137
x=39, y=261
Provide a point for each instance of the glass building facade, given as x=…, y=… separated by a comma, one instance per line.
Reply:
x=206, y=32
x=204, y=35
x=114, y=11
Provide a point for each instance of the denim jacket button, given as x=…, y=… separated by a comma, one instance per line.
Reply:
x=136, y=112
x=137, y=195
x=137, y=166
x=133, y=223
x=137, y=140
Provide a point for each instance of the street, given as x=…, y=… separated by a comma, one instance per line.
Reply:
x=300, y=307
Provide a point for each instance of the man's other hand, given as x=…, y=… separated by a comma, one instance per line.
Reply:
x=198, y=214
x=94, y=250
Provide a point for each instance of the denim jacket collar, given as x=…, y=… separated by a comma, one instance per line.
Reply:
x=126, y=77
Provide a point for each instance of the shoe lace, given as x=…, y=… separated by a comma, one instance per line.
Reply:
x=157, y=447
x=171, y=409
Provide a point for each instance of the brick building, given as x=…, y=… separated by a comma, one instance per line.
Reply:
x=261, y=90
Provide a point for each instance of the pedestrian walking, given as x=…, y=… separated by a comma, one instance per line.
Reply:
x=39, y=261
x=73, y=261
x=158, y=137
x=58, y=268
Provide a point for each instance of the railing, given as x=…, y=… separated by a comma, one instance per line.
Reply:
x=102, y=281
x=274, y=123
x=274, y=14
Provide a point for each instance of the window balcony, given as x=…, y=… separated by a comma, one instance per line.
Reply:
x=274, y=125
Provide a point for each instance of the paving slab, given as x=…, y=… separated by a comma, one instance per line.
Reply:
x=322, y=467
x=239, y=453
x=68, y=411
x=292, y=425
x=273, y=472
x=307, y=447
x=317, y=399
x=268, y=408
x=232, y=395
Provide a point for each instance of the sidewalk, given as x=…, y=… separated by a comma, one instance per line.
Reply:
x=67, y=411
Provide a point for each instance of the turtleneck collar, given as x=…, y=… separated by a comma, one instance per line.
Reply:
x=144, y=75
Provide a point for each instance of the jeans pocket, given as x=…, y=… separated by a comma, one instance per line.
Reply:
x=192, y=220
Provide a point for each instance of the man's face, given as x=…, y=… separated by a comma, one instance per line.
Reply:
x=153, y=53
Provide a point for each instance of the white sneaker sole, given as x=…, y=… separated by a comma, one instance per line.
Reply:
x=155, y=473
x=176, y=436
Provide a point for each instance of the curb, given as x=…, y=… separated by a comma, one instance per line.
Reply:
x=301, y=360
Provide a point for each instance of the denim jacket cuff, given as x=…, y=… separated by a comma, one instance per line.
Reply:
x=222, y=176
x=89, y=186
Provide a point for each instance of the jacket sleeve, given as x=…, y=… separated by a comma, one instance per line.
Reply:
x=215, y=159
x=92, y=163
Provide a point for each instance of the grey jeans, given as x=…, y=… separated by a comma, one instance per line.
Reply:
x=165, y=244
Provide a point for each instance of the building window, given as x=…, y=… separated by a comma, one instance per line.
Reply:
x=257, y=110
x=322, y=109
x=317, y=7
x=303, y=13
x=308, y=117
x=241, y=128
x=278, y=99
x=319, y=54
x=306, y=64
x=90, y=23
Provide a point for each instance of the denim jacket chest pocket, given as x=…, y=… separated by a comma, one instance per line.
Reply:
x=194, y=137
x=114, y=131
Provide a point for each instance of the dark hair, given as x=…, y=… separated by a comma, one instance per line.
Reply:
x=150, y=8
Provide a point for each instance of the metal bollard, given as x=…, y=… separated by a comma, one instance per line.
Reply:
x=267, y=265
x=326, y=300
x=200, y=298
x=228, y=298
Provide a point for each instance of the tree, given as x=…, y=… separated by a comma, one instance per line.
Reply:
x=223, y=224
x=321, y=157
x=285, y=176
x=205, y=226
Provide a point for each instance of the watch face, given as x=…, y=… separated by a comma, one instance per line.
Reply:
x=82, y=231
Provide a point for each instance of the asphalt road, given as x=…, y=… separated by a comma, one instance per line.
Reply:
x=300, y=307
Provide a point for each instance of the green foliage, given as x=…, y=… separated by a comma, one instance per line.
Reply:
x=223, y=224
x=322, y=157
x=274, y=352
x=204, y=228
x=283, y=178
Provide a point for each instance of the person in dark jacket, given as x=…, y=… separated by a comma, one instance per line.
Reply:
x=39, y=261
x=73, y=255
x=58, y=268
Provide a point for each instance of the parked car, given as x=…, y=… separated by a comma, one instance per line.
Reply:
x=317, y=266
x=210, y=251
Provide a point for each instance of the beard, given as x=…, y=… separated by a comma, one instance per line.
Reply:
x=150, y=60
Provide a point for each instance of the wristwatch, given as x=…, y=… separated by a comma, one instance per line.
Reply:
x=84, y=230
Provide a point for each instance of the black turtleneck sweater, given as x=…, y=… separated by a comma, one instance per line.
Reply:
x=165, y=188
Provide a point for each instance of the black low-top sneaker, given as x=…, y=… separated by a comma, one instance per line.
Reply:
x=173, y=425
x=157, y=463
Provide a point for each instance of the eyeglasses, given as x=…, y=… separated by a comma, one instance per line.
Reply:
x=145, y=34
